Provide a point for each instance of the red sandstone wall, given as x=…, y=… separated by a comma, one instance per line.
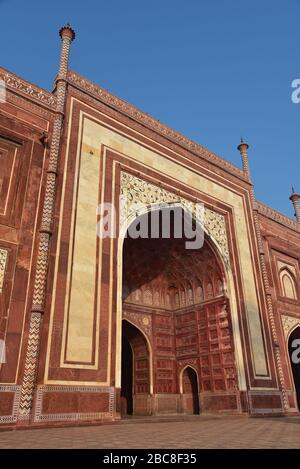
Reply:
x=282, y=249
x=28, y=113
x=22, y=161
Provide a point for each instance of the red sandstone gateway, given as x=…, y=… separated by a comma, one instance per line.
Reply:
x=96, y=328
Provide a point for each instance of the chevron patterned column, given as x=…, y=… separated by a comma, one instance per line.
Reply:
x=243, y=148
x=32, y=353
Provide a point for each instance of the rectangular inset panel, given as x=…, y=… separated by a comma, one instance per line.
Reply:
x=82, y=268
x=7, y=173
x=99, y=135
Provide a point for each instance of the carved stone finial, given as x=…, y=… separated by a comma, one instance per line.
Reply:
x=295, y=200
x=243, y=146
x=67, y=31
x=243, y=149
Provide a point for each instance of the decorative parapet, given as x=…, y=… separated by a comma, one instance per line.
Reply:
x=26, y=89
x=103, y=95
x=138, y=193
x=277, y=216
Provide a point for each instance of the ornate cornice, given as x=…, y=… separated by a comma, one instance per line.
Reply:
x=138, y=193
x=27, y=89
x=144, y=119
x=277, y=216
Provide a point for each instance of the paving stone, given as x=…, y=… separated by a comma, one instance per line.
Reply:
x=203, y=432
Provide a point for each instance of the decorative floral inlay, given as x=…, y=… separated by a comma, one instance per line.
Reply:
x=144, y=322
x=138, y=193
x=289, y=323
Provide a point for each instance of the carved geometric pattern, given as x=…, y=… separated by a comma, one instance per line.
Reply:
x=65, y=48
x=27, y=89
x=72, y=416
x=41, y=273
x=30, y=366
x=55, y=143
x=48, y=202
x=14, y=415
x=3, y=262
x=122, y=106
x=137, y=193
x=61, y=94
x=289, y=323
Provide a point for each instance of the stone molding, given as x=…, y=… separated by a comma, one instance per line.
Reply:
x=27, y=89
x=277, y=216
x=104, y=96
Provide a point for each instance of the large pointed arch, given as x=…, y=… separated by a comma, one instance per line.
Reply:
x=229, y=286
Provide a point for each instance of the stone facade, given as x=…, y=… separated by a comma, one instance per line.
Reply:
x=95, y=328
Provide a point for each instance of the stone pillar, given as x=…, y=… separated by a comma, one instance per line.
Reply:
x=243, y=149
x=37, y=308
x=295, y=199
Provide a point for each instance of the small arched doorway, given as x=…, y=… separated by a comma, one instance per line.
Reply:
x=190, y=391
x=135, y=376
x=294, y=354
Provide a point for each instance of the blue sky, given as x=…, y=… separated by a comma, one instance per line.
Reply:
x=214, y=70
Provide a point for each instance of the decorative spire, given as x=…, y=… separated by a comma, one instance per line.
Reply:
x=295, y=200
x=67, y=35
x=67, y=31
x=45, y=233
x=243, y=149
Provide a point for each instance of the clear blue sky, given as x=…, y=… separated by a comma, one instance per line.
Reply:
x=214, y=70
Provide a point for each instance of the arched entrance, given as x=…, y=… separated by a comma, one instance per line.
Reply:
x=135, y=381
x=177, y=297
x=294, y=354
x=190, y=391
